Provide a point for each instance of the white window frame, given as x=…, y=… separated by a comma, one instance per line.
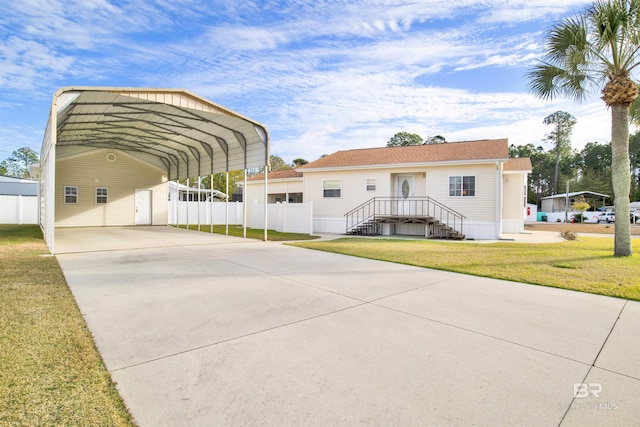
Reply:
x=325, y=189
x=67, y=194
x=461, y=189
x=371, y=185
x=104, y=196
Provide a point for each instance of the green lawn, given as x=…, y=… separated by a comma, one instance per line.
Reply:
x=586, y=264
x=252, y=233
x=50, y=371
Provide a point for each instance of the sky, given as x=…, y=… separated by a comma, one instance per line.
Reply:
x=321, y=75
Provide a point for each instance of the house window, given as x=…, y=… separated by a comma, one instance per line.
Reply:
x=371, y=184
x=71, y=194
x=462, y=186
x=331, y=188
x=101, y=195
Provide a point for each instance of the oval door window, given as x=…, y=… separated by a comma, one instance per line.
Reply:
x=405, y=189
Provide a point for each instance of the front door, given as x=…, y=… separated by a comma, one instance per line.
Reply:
x=404, y=192
x=143, y=207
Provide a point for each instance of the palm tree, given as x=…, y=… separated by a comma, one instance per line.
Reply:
x=598, y=48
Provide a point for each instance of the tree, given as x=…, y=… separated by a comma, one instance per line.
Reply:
x=277, y=164
x=594, y=166
x=542, y=166
x=299, y=162
x=598, y=48
x=438, y=139
x=220, y=181
x=403, y=139
x=19, y=161
x=560, y=137
x=580, y=205
x=4, y=168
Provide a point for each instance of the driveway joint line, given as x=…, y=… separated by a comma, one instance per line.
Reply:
x=481, y=334
x=284, y=325
x=594, y=361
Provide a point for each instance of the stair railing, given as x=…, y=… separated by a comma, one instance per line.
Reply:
x=388, y=207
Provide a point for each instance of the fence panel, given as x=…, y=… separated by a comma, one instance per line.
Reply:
x=18, y=209
x=284, y=217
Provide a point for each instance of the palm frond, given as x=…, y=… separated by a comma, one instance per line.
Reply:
x=584, y=51
x=549, y=81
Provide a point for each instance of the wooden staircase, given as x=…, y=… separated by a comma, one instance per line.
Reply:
x=440, y=221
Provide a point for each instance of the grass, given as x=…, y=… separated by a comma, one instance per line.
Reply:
x=252, y=233
x=585, y=264
x=50, y=370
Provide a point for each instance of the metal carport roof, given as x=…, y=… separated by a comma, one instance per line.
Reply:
x=173, y=129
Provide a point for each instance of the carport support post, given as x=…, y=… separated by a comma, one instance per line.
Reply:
x=199, y=184
x=226, y=204
x=244, y=206
x=187, y=222
x=211, y=206
x=266, y=172
x=177, y=200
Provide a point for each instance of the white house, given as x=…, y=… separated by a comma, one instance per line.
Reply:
x=463, y=189
x=108, y=153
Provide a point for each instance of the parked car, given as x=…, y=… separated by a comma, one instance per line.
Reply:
x=634, y=216
x=590, y=217
x=607, y=217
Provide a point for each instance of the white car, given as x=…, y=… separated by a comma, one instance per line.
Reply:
x=607, y=217
x=590, y=217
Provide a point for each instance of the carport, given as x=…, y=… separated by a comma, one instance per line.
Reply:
x=173, y=133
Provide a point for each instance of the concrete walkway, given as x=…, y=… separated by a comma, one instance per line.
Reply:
x=229, y=331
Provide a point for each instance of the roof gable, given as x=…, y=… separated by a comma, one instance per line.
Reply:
x=489, y=149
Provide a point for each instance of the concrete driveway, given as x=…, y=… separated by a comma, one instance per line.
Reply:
x=227, y=331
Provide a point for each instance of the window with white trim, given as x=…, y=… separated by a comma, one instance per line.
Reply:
x=101, y=195
x=372, y=184
x=462, y=186
x=331, y=188
x=71, y=194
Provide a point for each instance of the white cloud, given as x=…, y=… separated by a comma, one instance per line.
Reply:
x=323, y=75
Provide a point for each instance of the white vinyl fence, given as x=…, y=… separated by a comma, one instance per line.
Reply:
x=203, y=212
x=18, y=209
x=284, y=217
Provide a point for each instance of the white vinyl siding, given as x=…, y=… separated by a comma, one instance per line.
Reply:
x=514, y=206
x=121, y=177
x=480, y=208
x=353, y=190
